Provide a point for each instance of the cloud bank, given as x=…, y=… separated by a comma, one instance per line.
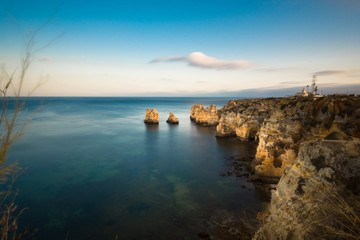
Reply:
x=199, y=59
x=332, y=72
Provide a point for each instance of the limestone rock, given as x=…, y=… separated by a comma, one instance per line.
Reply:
x=204, y=116
x=242, y=118
x=151, y=116
x=172, y=119
x=195, y=110
x=281, y=125
x=294, y=122
x=227, y=125
x=323, y=170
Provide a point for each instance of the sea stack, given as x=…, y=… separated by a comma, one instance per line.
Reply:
x=151, y=116
x=172, y=119
x=205, y=116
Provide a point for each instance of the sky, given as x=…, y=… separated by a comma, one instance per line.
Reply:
x=183, y=48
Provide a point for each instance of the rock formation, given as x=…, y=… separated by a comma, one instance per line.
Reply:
x=151, y=116
x=315, y=194
x=242, y=118
x=313, y=146
x=280, y=125
x=296, y=121
x=172, y=119
x=204, y=116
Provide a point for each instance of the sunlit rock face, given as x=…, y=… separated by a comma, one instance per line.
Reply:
x=295, y=121
x=227, y=125
x=204, y=116
x=242, y=118
x=309, y=190
x=195, y=110
x=281, y=125
x=151, y=116
x=172, y=119
x=277, y=147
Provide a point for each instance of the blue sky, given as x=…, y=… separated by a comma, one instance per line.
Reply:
x=184, y=48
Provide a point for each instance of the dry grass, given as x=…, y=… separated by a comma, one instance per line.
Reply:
x=334, y=217
x=11, y=129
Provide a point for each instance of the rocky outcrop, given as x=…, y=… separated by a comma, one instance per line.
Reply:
x=242, y=118
x=280, y=125
x=316, y=195
x=151, y=116
x=204, y=116
x=195, y=110
x=294, y=121
x=172, y=119
x=227, y=125
x=311, y=145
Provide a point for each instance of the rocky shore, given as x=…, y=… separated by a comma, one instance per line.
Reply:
x=312, y=145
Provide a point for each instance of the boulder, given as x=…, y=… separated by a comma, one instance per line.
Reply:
x=172, y=119
x=151, y=116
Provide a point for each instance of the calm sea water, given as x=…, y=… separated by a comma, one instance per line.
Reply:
x=96, y=171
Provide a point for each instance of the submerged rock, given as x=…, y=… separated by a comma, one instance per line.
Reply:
x=172, y=119
x=151, y=116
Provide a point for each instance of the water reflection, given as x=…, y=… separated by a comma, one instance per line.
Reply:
x=173, y=126
x=210, y=131
x=235, y=146
x=151, y=127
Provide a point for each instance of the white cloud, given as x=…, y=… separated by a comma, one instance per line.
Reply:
x=45, y=59
x=333, y=72
x=199, y=59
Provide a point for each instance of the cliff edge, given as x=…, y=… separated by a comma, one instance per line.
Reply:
x=281, y=125
x=311, y=147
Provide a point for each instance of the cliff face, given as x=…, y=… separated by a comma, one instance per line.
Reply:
x=204, y=116
x=313, y=147
x=310, y=199
x=280, y=125
x=294, y=121
x=242, y=118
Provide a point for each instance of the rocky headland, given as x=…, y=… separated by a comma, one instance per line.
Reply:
x=311, y=148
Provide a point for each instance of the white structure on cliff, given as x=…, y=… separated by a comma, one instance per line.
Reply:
x=314, y=93
x=303, y=93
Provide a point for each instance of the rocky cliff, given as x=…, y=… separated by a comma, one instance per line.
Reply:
x=318, y=196
x=243, y=118
x=280, y=125
x=313, y=146
x=204, y=116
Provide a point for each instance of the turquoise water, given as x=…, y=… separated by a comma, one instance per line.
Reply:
x=96, y=171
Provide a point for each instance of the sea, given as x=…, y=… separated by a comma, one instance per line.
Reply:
x=92, y=169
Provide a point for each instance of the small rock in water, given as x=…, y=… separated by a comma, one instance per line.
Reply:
x=151, y=116
x=172, y=119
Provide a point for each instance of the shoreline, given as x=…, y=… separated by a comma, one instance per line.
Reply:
x=286, y=131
